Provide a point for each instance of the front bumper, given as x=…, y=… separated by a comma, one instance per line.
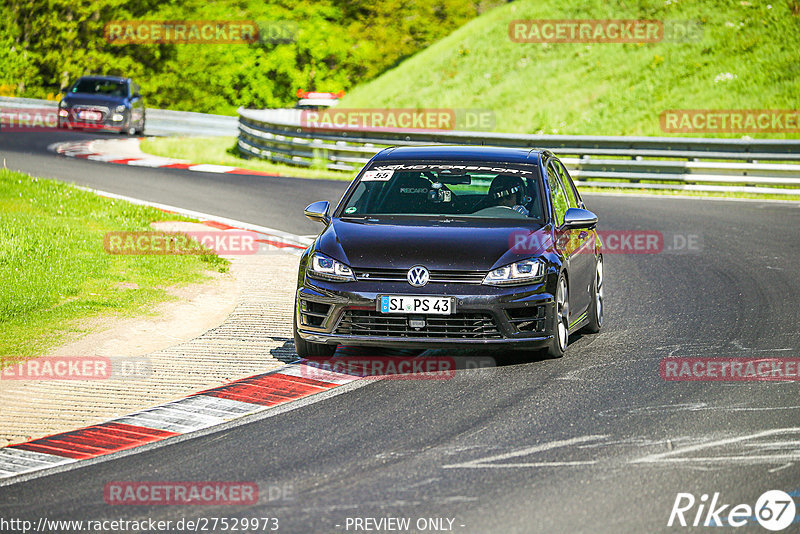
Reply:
x=346, y=313
x=107, y=123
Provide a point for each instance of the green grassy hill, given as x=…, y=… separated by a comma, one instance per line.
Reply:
x=747, y=58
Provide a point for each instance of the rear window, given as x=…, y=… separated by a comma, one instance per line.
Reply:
x=467, y=189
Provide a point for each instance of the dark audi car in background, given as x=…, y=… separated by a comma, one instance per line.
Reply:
x=452, y=247
x=103, y=103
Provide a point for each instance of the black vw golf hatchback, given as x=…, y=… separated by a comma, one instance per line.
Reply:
x=445, y=246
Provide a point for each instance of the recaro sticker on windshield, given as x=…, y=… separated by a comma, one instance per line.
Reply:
x=377, y=176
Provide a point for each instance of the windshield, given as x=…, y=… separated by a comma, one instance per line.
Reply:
x=100, y=87
x=493, y=190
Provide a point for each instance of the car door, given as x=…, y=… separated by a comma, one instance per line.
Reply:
x=583, y=239
x=573, y=243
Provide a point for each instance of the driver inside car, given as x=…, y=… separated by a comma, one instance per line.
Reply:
x=508, y=192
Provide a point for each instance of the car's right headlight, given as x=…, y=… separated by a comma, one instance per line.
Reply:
x=62, y=104
x=324, y=268
x=518, y=273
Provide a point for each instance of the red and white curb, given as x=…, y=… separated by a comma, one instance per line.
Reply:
x=127, y=152
x=199, y=411
x=192, y=414
x=268, y=237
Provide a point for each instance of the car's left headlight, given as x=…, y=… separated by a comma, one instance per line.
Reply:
x=518, y=273
x=325, y=268
x=120, y=108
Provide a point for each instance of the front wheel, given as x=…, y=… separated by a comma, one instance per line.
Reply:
x=306, y=349
x=597, y=307
x=560, y=320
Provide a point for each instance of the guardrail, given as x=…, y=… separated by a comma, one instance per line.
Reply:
x=158, y=122
x=687, y=163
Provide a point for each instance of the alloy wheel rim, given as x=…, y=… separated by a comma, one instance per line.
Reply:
x=599, y=292
x=562, y=314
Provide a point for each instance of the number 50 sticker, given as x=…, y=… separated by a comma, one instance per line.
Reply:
x=775, y=510
x=377, y=176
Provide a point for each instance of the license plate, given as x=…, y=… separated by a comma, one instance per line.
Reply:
x=90, y=115
x=411, y=304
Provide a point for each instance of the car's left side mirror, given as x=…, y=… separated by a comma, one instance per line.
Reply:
x=318, y=211
x=579, y=218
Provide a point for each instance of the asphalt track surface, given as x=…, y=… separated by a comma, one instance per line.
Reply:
x=596, y=441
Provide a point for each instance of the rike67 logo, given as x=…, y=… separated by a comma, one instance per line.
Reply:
x=774, y=510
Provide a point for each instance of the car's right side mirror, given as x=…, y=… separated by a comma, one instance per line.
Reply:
x=579, y=218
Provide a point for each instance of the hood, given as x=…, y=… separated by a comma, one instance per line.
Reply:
x=96, y=100
x=457, y=244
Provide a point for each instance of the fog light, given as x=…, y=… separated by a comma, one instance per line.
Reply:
x=63, y=113
x=116, y=117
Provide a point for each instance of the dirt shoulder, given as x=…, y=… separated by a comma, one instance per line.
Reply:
x=233, y=326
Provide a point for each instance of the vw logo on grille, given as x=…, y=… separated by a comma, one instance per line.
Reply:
x=418, y=276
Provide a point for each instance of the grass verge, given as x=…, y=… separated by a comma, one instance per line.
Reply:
x=55, y=272
x=739, y=55
x=222, y=151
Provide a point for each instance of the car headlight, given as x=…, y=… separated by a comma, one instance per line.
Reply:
x=62, y=104
x=521, y=272
x=325, y=268
x=120, y=108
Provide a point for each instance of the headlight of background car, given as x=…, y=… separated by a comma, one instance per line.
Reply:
x=62, y=104
x=521, y=272
x=120, y=108
x=325, y=268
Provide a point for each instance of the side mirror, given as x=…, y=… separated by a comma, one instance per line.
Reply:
x=64, y=90
x=579, y=218
x=318, y=211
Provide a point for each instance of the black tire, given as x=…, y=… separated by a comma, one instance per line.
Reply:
x=140, y=131
x=306, y=349
x=597, y=307
x=559, y=320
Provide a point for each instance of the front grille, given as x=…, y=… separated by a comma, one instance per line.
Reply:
x=313, y=313
x=458, y=325
x=527, y=319
x=437, y=276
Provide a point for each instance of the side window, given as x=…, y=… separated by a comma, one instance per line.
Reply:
x=559, y=200
x=573, y=201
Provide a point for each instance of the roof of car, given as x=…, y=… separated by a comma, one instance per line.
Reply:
x=104, y=77
x=461, y=152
